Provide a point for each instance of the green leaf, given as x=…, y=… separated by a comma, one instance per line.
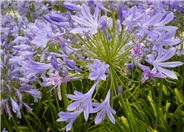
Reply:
x=125, y=122
x=152, y=104
x=164, y=89
x=179, y=96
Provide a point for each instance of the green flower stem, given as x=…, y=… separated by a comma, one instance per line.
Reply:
x=114, y=84
x=57, y=101
x=125, y=76
x=63, y=93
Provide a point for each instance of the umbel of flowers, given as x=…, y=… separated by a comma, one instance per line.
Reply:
x=98, y=41
x=111, y=44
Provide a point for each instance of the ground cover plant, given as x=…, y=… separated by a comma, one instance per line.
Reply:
x=92, y=66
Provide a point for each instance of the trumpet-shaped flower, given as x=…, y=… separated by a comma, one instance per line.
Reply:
x=148, y=73
x=31, y=68
x=95, y=3
x=159, y=63
x=71, y=65
x=166, y=39
x=68, y=117
x=55, y=80
x=98, y=70
x=35, y=93
x=152, y=25
x=57, y=19
x=104, y=109
x=15, y=108
x=7, y=108
x=130, y=17
x=40, y=33
x=88, y=22
x=71, y=6
x=82, y=101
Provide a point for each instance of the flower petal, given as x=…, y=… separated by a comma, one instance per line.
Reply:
x=170, y=64
x=109, y=114
x=168, y=73
x=169, y=53
x=72, y=106
x=100, y=116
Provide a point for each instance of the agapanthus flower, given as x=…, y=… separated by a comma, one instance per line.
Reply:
x=27, y=107
x=96, y=3
x=40, y=41
x=54, y=63
x=55, y=80
x=149, y=73
x=159, y=63
x=20, y=39
x=15, y=108
x=21, y=56
x=71, y=65
x=130, y=17
x=137, y=50
x=68, y=117
x=153, y=25
x=16, y=99
x=6, y=107
x=31, y=68
x=57, y=19
x=40, y=33
x=164, y=6
x=130, y=66
x=165, y=39
x=82, y=101
x=71, y=6
x=120, y=90
x=34, y=93
x=180, y=53
x=24, y=8
x=88, y=22
x=4, y=130
x=104, y=109
x=98, y=70
x=19, y=95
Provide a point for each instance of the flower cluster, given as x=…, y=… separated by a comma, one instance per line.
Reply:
x=92, y=40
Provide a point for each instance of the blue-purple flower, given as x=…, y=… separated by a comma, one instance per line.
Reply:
x=104, y=109
x=165, y=39
x=31, y=68
x=88, y=22
x=82, y=101
x=40, y=33
x=71, y=65
x=98, y=70
x=6, y=107
x=15, y=108
x=68, y=117
x=55, y=80
x=149, y=73
x=159, y=63
x=71, y=6
x=33, y=92
x=57, y=19
x=153, y=25
x=137, y=50
x=120, y=90
x=130, y=17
